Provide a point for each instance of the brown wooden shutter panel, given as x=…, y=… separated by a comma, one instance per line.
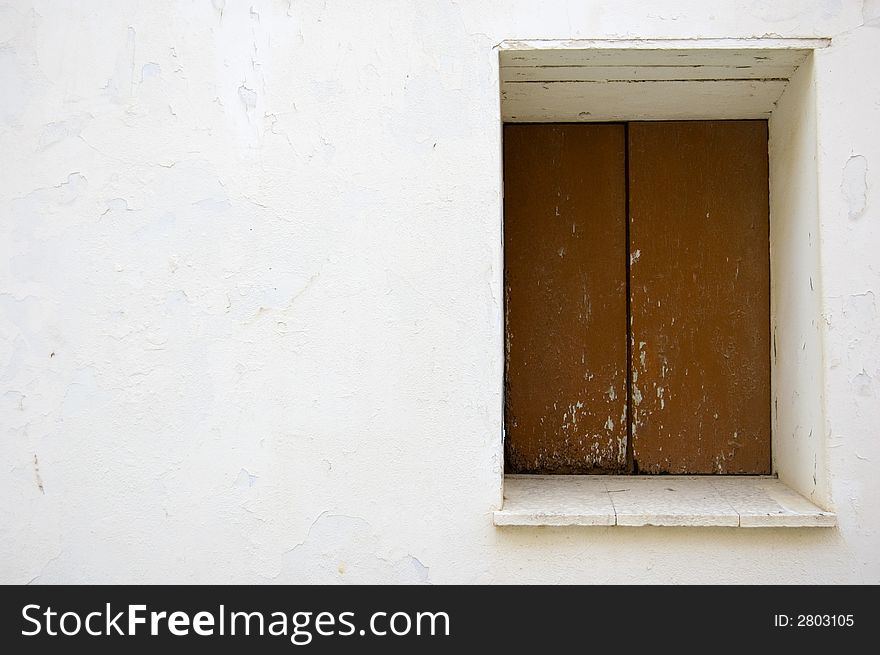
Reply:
x=699, y=279
x=565, y=297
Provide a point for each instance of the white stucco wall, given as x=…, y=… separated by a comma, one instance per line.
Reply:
x=250, y=285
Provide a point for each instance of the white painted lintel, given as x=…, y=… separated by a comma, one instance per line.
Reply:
x=666, y=44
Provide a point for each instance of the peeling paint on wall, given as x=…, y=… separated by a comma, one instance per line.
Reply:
x=855, y=185
x=345, y=550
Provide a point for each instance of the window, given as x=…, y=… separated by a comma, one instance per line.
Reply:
x=628, y=93
x=637, y=297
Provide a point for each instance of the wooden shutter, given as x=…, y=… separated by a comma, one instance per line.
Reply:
x=699, y=279
x=565, y=297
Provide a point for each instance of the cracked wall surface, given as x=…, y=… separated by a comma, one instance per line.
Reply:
x=250, y=287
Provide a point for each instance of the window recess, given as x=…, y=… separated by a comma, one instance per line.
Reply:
x=627, y=91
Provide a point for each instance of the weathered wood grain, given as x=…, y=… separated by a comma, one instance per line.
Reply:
x=699, y=279
x=565, y=281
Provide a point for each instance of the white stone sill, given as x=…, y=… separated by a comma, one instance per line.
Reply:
x=598, y=500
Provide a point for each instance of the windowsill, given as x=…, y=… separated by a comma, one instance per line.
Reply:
x=725, y=501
